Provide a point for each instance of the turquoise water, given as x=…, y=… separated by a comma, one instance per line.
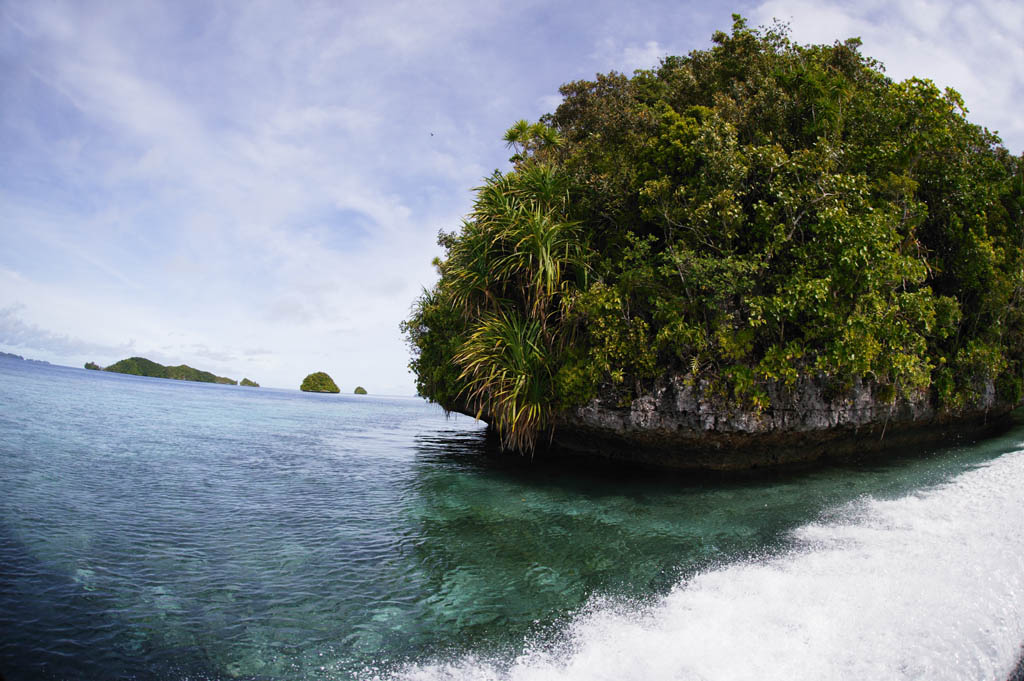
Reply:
x=154, y=529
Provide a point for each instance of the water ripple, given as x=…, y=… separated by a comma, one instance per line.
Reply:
x=162, y=530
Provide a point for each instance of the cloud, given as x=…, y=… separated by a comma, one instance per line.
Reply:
x=16, y=333
x=645, y=56
x=548, y=103
x=291, y=310
x=205, y=180
x=216, y=193
x=613, y=55
x=200, y=350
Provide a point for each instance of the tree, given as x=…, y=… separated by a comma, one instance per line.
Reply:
x=318, y=382
x=758, y=212
x=505, y=286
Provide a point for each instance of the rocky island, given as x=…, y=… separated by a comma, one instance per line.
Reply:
x=756, y=254
x=319, y=382
x=140, y=366
x=11, y=355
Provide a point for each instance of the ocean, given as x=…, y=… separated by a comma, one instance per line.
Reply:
x=168, y=530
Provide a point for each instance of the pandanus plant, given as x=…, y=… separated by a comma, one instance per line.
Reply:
x=524, y=138
x=512, y=273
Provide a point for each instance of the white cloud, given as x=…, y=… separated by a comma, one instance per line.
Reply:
x=548, y=103
x=613, y=54
x=16, y=334
x=644, y=56
x=206, y=181
x=209, y=198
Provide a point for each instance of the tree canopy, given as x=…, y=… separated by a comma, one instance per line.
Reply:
x=757, y=212
x=319, y=382
x=140, y=366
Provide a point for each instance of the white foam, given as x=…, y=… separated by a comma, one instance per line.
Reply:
x=929, y=586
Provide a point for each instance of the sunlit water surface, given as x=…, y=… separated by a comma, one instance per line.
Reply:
x=154, y=529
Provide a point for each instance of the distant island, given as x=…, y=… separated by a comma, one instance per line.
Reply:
x=360, y=390
x=249, y=384
x=140, y=366
x=11, y=355
x=319, y=382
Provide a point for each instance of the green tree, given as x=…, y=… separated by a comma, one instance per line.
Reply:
x=319, y=382
x=490, y=336
x=753, y=213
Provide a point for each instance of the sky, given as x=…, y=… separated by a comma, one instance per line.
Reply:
x=255, y=188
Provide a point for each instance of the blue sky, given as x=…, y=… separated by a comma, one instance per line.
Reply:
x=255, y=188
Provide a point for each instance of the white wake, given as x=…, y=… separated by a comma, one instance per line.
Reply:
x=928, y=586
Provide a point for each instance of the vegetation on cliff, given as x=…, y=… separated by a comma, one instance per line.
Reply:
x=750, y=214
x=140, y=366
x=318, y=382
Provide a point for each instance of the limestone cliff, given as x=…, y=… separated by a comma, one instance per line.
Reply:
x=677, y=425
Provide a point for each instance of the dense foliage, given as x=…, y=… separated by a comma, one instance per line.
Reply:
x=757, y=212
x=93, y=366
x=249, y=384
x=140, y=366
x=319, y=382
x=360, y=390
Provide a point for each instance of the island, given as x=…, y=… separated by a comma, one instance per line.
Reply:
x=360, y=390
x=11, y=355
x=140, y=366
x=319, y=382
x=757, y=254
x=92, y=366
x=250, y=384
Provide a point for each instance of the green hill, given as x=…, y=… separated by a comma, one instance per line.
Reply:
x=140, y=366
x=319, y=382
x=360, y=390
x=249, y=384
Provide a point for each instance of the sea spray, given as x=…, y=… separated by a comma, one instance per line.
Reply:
x=927, y=586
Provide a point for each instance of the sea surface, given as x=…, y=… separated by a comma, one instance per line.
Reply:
x=166, y=530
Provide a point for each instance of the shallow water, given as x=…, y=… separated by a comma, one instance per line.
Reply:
x=154, y=529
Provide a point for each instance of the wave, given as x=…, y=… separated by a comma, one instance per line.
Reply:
x=927, y=586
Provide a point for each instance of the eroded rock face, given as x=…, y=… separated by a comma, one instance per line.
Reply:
x=676, y=425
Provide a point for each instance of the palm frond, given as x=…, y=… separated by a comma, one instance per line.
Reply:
x=506, y=369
